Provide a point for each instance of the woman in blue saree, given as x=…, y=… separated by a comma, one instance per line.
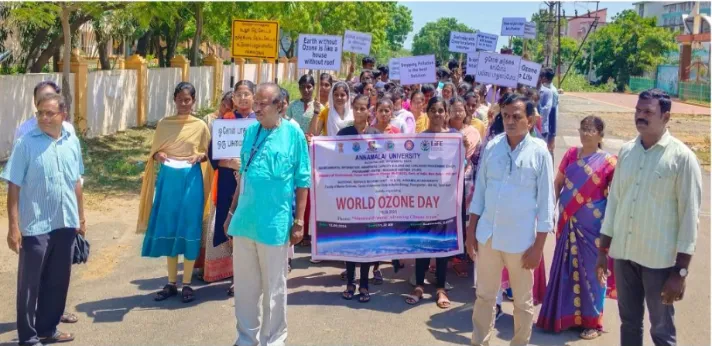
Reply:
x=574, y=296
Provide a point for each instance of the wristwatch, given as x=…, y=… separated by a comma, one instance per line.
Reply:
x=681, y=271
x=299, y=222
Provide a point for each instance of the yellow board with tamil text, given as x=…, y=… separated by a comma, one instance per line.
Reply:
x=255, y=39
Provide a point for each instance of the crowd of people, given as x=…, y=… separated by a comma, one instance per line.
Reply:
x=626, y=226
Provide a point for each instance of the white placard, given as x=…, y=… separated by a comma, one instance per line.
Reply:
x=472, y=60
x=462, y=42
x=228, y=136
x=357, y=42
x=417, y=69
x=319, y=52
x=498, y=69
x=394, y=69
x=486, y=42
x=530, y=30
x=513, y=26
x=529, y=73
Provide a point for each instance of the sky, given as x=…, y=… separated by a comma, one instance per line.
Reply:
x=487, y=16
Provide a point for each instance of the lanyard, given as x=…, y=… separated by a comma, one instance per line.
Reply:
x=256, y=146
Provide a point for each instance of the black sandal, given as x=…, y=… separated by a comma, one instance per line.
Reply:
x=349, y=293
x=168, y=291
x=188, y=295
x=364, y=296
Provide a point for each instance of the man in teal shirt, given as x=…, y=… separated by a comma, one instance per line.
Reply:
x=275, y=168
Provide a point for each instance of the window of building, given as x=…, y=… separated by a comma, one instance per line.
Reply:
x=641, y=10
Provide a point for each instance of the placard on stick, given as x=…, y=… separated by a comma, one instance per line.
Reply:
x=394, y=69
x=498, y=69
x=255, y=39
x=417, y=69
x=228, y=137
x=486, y=42
x=472, y=60
x=529, y=73
x=462, y=42
x=319, y=52
x=530, y=30
x=357, y=42
x=513, y=26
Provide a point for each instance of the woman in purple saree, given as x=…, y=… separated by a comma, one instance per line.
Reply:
x=574, y=296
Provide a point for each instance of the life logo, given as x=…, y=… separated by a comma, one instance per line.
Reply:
x=409, y=145
x=432, y=145
x=372, y=147
x=390, y=146
x=425, y=145
x=356, y=147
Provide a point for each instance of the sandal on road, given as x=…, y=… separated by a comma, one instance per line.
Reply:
x=69, y=318
x=377, y=277
x=349, y=293
x=168, y=291
x=187, y=294
x=443, y=301
x=364, y=296
x=58, y=337
x=415, y=297
x=590, y=334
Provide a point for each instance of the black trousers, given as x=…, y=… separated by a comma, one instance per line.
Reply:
x=351, y=273
x=42, y=283
x=421, y=266
x=637, y=285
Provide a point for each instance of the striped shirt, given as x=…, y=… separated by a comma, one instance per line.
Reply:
x=654, y=203
x=46, y=170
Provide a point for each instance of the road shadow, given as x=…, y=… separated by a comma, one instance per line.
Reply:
x=6, y=327
x=113, y=310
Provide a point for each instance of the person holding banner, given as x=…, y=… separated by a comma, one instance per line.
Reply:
x=337, y=116
x=515, y=168
x=275, y=171
x=243, y=98
x=172, y=220
x=437, y=111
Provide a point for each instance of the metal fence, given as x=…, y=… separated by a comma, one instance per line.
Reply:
x=638, y=84
x=694, y=91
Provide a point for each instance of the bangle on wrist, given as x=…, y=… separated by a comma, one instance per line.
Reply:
x=231, y=213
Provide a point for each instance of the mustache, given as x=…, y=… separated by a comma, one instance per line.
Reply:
x=641, y=121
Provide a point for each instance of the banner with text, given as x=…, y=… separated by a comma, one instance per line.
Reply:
x=255, y=39
x=394, y=69
x=529, y=73
x=228, y=136
x=498, y=69
x=513, y=26
x=487, y=42
x=380, y=197
x=417, y=69
x=462, y=42
x=530, y=30
x=319, y=52
x=472, y=60
x=357, y=42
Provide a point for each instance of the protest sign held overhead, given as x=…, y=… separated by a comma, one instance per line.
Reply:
x=462, y=42
x=529, y=73
x=417, y=69
x=530, y=30
x=255, y=39
x=418, y=216
x=394, y=69
x=498, y=69
x=357, y=42
x=472, y=60
x=486, y=42
x=319, y=52
x=228, y=136
x=513, y=26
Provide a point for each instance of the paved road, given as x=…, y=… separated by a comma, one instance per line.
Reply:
x=627, y=101
x=112, y=293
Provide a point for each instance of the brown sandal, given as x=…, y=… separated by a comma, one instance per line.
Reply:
x=415, y=297
x=443, y=301
x=58, y=337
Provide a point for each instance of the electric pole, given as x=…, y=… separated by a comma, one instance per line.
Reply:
x=548, y=46
x=593, y=43
x=558, y=56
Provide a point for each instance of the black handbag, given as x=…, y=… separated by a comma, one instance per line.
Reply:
x=81, y=250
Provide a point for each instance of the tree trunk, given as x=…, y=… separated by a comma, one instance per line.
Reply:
x=37, y=65
x=159, y=51
x=66, y=88
x=143, y=43
x=56, y=57
x=195, y=49
x=102, y=41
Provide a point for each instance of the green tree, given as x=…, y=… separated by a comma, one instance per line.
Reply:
x=399, y=26
x=434, y=38
x=628, y=46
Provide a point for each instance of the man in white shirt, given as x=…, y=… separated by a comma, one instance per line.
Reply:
x=515, y=171
x=43, y=87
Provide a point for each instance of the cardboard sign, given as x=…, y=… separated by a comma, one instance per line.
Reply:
x=513, y=26
x=530, y=30
x=486, y=42
x=529, y=73
x=394, y=69
x=319, y=52
x=472, y=60
x=357, y=42
x=498, y=69
x=255, y=39
x=228, y=137
x=462, y=42
x=417, y=69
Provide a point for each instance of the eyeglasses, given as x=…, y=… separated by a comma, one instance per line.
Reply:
x=50, y=115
